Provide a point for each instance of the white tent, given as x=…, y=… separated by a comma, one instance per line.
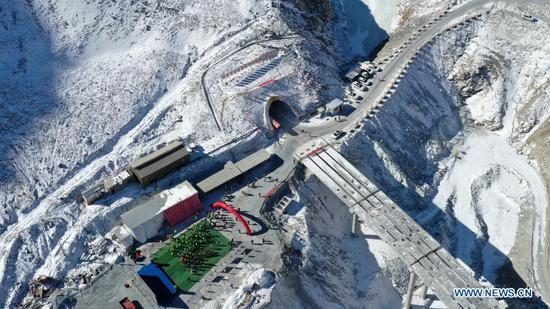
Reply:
x=144, y=226
x=146, y=219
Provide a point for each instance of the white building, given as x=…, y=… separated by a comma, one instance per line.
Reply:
x=146, y=219
x=333, y=107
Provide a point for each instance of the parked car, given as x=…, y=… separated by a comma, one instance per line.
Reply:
x=528, y=17
x=353, y=95
x=357, y=85
x=338, y=134
x=366, y=74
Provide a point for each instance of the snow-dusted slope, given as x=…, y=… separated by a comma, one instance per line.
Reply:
x=90, y=73
x=88, y=87
x=448, y=146
x=92, y=85
x=325, y=267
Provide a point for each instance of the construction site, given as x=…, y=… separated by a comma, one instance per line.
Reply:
x=267, y=167
x=175, y=236
x=187, y=241
x=249, y=86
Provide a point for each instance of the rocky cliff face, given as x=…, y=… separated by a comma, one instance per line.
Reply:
x=448, y=145
x=89, y=87
x=325, y=266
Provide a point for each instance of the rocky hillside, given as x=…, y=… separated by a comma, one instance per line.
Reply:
x=89, y=87
x=459, y=145
x=356, y=271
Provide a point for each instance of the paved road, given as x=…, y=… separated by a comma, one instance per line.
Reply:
x=307, y=133
x=422, y=254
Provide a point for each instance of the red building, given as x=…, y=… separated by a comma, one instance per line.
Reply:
x=184, y=209
x=181, y=202
x=172, y=205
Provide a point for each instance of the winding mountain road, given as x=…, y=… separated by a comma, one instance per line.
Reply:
x=289, y=145
x=382, y=83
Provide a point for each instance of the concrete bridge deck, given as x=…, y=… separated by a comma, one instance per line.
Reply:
x=424, y=256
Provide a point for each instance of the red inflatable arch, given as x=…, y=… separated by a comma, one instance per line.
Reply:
x=220, y=204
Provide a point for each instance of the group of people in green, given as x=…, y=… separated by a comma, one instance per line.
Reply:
x=191, y=247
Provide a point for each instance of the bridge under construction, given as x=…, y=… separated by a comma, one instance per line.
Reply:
x=424, y=256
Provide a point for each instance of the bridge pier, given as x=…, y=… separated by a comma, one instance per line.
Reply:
x=410, y=290
x=419, y=250
x=354, y=221
x=424, y=291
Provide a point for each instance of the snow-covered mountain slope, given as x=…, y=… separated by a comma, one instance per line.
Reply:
x=90, y=73
x=450, y=145
x=89, y=87
x=92, y=86
x=325, y=267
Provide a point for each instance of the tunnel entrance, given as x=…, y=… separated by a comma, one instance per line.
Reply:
x=281, y=115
